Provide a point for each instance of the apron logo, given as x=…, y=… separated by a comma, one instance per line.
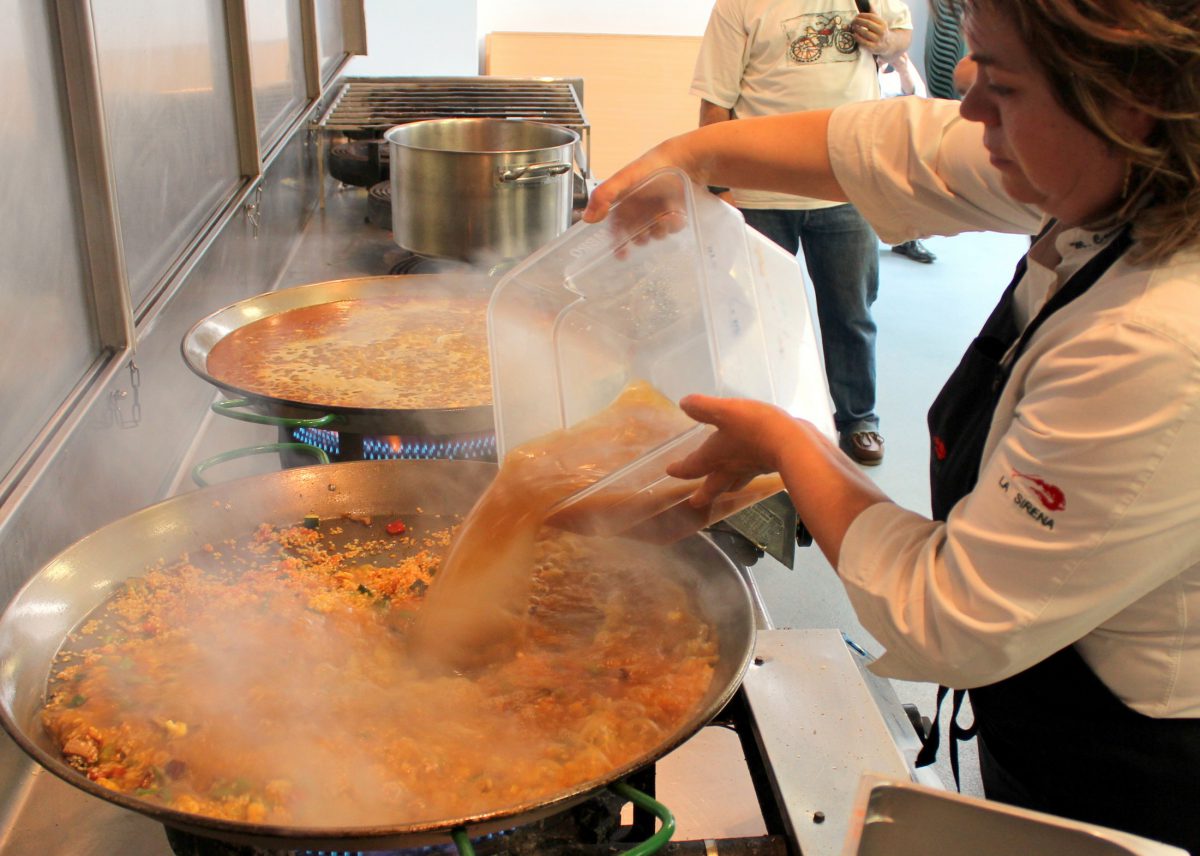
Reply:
x=1048, y=496
x=939, y=449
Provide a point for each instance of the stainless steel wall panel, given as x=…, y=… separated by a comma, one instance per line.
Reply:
x=111, y=465
x=49, y=336
x=164, y=74
x=276, y=65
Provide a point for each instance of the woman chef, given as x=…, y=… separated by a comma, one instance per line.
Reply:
x=1059, y=576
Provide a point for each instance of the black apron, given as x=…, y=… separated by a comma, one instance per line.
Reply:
x=1054, y=738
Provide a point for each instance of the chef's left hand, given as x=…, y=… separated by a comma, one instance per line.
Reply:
x=870, y=30
x=748, y=442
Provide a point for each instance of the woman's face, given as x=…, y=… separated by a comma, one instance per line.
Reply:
x=1045, y=156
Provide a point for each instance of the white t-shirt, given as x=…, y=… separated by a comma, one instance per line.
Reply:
x=763, y=57
x=1084, y=526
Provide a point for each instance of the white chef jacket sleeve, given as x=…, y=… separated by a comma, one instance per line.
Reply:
x=1105, y=424
x=722, y=57
x=914, y=168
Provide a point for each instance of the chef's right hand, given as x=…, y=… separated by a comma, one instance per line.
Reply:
x=657, y=210
x=612, y=189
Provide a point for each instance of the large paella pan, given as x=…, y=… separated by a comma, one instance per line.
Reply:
x=362, y=499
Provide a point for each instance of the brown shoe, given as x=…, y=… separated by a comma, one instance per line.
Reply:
x=865, y=447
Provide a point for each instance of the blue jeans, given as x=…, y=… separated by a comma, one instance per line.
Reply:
x=841, y=252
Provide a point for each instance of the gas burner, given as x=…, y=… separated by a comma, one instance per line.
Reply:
x=379, y=205
x=361, y=163
x=594, y=821
x=342, y=446
x=412, y=263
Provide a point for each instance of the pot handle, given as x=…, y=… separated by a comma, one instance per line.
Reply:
x=198, y=470
x=462, y=840
x=667, y=820
x=531, y=172
x=230, y=408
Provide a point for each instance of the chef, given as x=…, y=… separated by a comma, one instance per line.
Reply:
x=1058, y=577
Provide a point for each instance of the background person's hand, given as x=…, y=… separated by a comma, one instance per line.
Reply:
x=870, y=30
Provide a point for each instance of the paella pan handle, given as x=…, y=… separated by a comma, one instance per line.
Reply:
x=230, y=408
x=651, y=845
x=197, y=470
x=656, y=841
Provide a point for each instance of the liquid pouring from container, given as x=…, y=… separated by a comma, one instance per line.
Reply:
x=474, y=612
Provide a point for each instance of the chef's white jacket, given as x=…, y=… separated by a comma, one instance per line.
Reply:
x=1084, y=526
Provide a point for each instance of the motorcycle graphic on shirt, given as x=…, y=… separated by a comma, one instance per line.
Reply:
x=809, y=36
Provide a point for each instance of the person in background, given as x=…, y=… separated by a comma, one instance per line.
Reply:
x=964, y=75
x=765, y=57
x=898, y=77
x=1058, y=576
x=945, y=46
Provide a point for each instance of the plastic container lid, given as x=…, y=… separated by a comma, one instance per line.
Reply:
x=671, y=288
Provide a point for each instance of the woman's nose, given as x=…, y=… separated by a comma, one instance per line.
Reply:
x=975, y=105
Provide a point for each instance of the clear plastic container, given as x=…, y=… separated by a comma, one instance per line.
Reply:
x=672, y=288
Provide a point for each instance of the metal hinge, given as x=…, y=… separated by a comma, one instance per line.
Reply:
x=254, y=209
x=117, y=396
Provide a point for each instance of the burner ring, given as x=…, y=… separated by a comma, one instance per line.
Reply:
x=379, y=205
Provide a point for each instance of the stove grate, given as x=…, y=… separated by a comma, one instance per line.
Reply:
x=365, y=107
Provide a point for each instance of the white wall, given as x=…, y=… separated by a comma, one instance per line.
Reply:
x=444, y=37
x=419, y=38
x=639, y=17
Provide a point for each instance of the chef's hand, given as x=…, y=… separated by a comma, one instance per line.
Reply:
x=749, y=441
x=662, y=205
x=870, y=31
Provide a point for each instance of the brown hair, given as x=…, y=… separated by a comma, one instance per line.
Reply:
x=1139, y=53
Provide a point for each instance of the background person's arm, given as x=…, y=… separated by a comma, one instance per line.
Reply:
x=873, y=33
x=711, y=113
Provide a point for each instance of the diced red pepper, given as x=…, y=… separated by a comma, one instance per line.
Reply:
x=396, y=527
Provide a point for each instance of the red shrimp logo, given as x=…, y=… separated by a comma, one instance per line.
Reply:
x=1051, y=496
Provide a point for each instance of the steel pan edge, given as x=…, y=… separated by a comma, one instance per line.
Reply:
x=337, y=486
x=203, y=336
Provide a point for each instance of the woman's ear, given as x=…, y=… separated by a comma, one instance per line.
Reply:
x=1134, y=123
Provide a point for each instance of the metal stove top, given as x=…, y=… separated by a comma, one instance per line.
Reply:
x=815, y=719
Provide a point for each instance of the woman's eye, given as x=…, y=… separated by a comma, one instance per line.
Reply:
x=999, y=90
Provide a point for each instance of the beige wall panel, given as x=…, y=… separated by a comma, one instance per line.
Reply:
x=635, y=88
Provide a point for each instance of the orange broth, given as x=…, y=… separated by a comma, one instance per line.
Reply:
x=407, y=352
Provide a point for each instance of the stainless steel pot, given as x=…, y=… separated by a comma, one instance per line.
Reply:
x=57, y=598
x=481, y=190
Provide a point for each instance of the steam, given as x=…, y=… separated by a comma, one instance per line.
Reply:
x=300, y=703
